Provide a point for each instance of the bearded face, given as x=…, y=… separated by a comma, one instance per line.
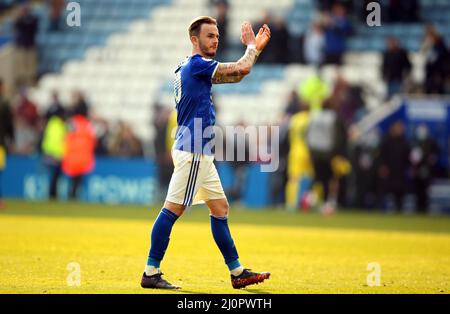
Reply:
x=208, y=40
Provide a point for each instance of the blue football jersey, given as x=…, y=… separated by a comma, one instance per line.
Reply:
x=195, y=109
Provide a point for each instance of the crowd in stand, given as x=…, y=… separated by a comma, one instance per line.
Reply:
x=376, y=171
x=324, y=42
x=66, y=136
x=321, y=155
x=29, y=125
x=25, y=30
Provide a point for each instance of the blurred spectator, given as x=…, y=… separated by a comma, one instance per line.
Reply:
x=293, y=105
x=424, y=157
x=326, y=139
x=278, y=50
x=340, y=98
x=6, y=121
x=56, y=8
x=6, y=135
x=26, y=109
x=25, y=31
x=365, y=157
x=326, y=5
x=162, y=148
x=394, y=164
x=53, y=147
x=437, y=68
x=403, y=11
x=55, y=108
x=313, y=91
x=238, y=166
x=396, y=66
x=26, y=138
x=103, y=136
x=5, y=5
x=299, y=166
x=126, y=143
x=78, y=104
x=172, y=125
x=280, y=39
x=337, y=28
x=221, y=8
x=314, y=45
x=279, y=178
x=347, y=99
x=79, y=158
x=26, y=125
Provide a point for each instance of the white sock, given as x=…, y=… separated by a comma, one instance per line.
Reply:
x=151, y=270
x=237, y=271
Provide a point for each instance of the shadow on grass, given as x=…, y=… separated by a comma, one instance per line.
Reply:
x=257, y=291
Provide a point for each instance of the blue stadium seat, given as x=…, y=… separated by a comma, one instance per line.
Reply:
x=99, y=19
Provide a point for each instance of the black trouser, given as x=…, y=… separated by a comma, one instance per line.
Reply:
x=322, y=174
x=394, y=186
x=55, y=172
x=421, y=189
x=76, y=182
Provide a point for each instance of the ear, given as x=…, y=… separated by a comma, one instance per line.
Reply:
x=194, y=40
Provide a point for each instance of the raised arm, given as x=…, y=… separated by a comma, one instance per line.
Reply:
x=233, y=72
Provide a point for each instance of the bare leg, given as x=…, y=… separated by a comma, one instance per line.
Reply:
x=219, y=207
x=177, y=209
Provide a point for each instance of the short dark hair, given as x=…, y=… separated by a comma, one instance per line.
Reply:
x=196, y=24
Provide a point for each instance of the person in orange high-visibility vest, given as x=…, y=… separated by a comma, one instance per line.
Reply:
x=79, y=158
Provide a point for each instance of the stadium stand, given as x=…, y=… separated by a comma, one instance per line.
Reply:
x=123, y=78
x=123, y=56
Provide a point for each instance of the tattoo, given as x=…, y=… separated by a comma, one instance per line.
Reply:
x=235, y=71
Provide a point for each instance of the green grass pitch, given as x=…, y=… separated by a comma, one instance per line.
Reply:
x=306, y=253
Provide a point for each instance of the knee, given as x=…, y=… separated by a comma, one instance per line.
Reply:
x=177, y=209
x=222, y=210
x=226, y=209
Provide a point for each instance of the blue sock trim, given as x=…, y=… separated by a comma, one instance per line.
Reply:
x=169, y=214
x=233, y=264
x=220, y=218
x=153, y=262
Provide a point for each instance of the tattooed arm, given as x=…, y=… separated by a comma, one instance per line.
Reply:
x=233, y=72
